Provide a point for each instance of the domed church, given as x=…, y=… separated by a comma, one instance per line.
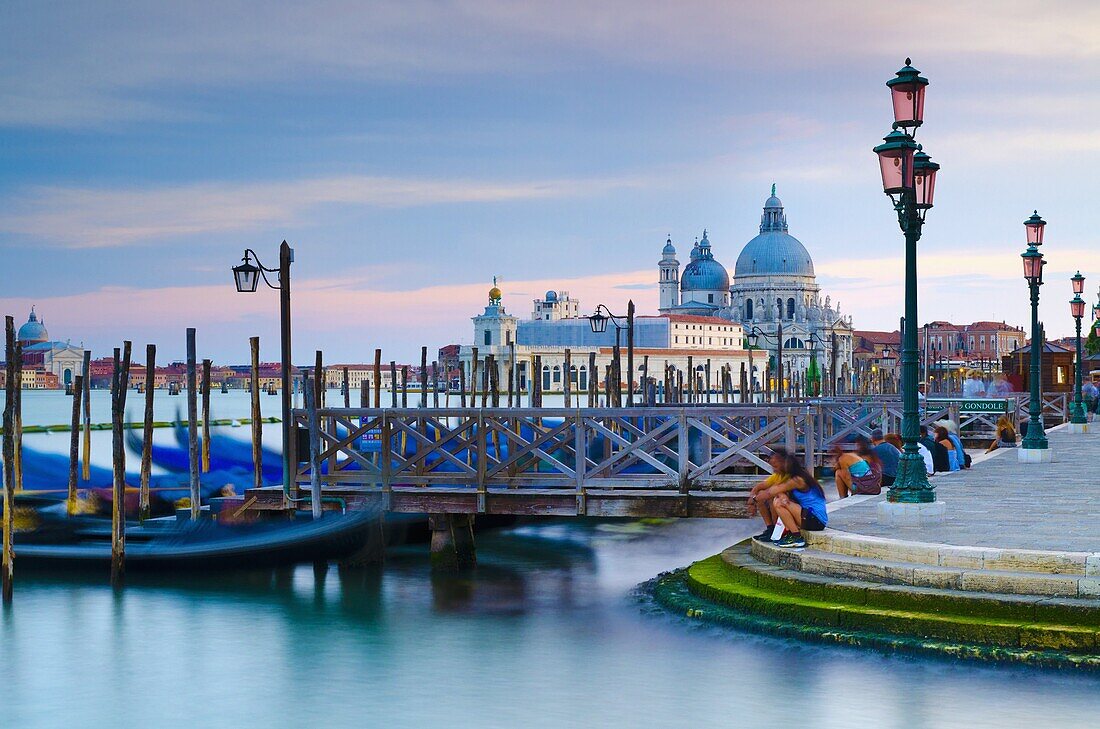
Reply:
x=774, y=290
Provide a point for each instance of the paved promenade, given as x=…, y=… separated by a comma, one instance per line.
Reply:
x=1000, y=502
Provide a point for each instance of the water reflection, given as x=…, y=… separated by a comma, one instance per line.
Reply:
x=544, y=632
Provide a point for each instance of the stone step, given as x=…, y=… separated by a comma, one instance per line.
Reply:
x=1025, y=608
x=948, y=555
x=997, y=623
x=816, y=561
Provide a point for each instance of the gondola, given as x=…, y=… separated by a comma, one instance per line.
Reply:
x=170, y=543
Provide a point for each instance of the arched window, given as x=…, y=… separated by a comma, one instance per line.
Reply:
x=582, y=378
x=488, y=337
x=779, y=308
x=573, y=374
x=557, y=374
x=546, y=377
x=794, y=343
x=748, y=309
x=790, y=308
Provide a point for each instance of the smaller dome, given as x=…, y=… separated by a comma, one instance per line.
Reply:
x=669, y=249
x=773, y=202
x=551, y=296
x=33, y=331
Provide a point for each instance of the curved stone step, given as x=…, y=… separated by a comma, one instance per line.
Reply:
x=921, y=574
x=1025, y=608
x=783, y=597
x=947, y=555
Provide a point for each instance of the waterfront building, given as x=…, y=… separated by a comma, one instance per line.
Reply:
x=61, y=359
x=773, y=287
x=702, y=314
x=671, y=340
x=987, y=340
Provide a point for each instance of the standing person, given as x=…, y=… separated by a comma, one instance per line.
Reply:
x=973, y=386
x=1089, y=393
x=888, y=455
x=792, y=495
x=922, y=393
x=1000, y=387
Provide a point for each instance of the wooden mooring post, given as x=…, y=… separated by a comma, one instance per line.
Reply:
x=377, y=378
x=312, y=402
x=119, y=383
x=86, y=369
x=147, y=431
x=206, y=416
x=393, y=384
x=7, y=563
x=257, y=421
x=346, y=388
x=74, y=446
x=567, y=383
x=423, y=377
x=192, y=427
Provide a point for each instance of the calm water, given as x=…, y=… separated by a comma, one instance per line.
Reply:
x=546, y=632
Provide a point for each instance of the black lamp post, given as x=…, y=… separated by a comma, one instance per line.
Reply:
x=247, y=278
x=754, y=338
x=598, y=320
x=909, y=178
x=1077, y=310
x=1036, y=438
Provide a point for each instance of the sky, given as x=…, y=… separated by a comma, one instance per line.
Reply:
x=410, y=151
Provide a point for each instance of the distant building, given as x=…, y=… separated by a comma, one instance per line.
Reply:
x=61, y=359
x=988, y=340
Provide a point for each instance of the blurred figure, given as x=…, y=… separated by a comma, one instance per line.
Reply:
x=973, y=386
x=888, y=454
x=858, y=472
x=1000, y=387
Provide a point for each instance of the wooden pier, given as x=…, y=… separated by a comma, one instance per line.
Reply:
x=664, y=461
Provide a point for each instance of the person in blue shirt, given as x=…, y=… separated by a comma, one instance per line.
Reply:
x=792, y=495
x=887, y=454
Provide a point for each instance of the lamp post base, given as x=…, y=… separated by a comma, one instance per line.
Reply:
x=1079, y=427
x=898, y=514
x=1035, y=455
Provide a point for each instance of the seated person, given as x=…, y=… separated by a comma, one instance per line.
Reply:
x=888, y=454
x=940, y=462
x=1006, y=435
x=944, y=439
x=895, y=440
x=791, y=494
x=858, y=472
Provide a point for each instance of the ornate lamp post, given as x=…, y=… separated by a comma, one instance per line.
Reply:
x=1078, y=419
x=598, y=320
x=1035, y=448
x=247, y=277
x=909, y=178
x=754, y=339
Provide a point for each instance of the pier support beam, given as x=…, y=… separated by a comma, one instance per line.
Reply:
x=452, y=541
x=373, y=549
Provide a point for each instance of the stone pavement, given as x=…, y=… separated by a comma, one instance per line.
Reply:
x=1000, y=502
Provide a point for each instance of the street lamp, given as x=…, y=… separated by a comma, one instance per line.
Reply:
x=909, y=178
x=1078, y=419
x=247, y=277
x=598, y=321
x=754, y=338
x=1035, y=447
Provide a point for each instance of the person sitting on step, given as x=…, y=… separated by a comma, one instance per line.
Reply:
x=791, y=495
x=944, y=439
x=1006, y=435
x=858, y=472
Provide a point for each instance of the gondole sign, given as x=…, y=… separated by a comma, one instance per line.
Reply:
x=973, y=405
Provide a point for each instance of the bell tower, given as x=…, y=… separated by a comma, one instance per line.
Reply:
x=669, y=276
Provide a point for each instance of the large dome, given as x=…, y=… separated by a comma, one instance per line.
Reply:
x=774, y=251
x=704, y=273
x=33, y=331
